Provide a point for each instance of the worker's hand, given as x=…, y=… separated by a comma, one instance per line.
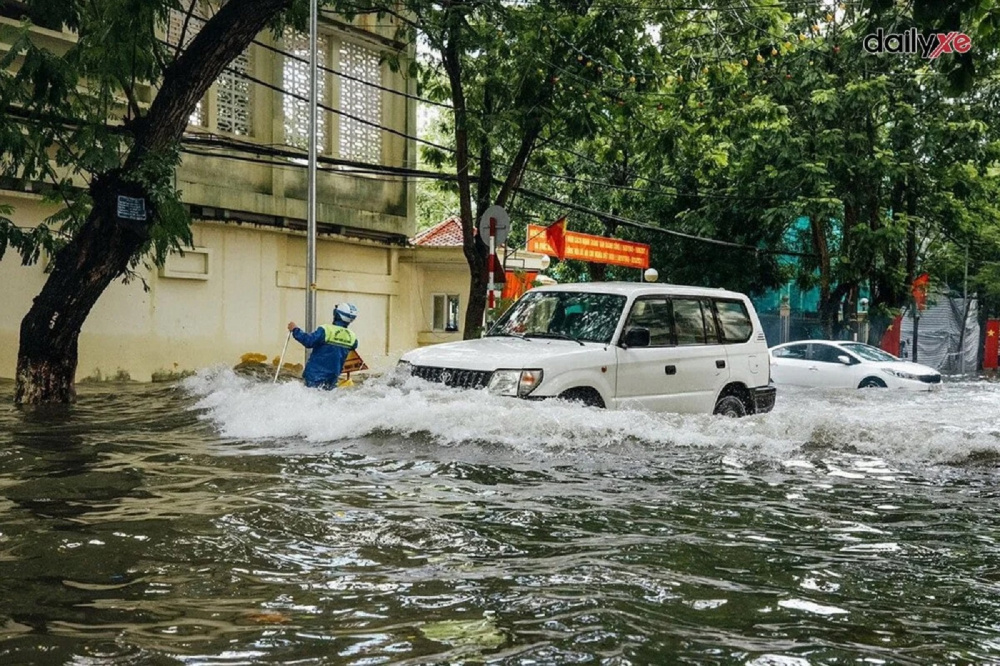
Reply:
x=292, y=326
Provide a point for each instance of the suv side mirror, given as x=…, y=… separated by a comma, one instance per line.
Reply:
x=636, y=337
x=845, y=359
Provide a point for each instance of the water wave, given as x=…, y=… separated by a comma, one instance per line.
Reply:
x=878, y=427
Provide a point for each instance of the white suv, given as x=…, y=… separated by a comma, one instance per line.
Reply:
x=616, y=345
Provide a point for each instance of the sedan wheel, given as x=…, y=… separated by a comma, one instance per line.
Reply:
x=871, y=382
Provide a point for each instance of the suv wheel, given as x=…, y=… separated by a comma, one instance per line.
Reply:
x=587, y=396
x=731, y=406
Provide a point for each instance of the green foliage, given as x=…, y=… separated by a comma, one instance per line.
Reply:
x=28, y=243
x=757, y=117
x=74, y=107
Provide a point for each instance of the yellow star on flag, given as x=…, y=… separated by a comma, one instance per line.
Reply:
x=990, y=333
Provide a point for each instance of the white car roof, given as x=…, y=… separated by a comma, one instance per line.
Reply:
x=643, y=289
x=823, y=342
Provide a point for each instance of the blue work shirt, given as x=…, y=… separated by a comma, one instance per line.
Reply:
x=330, y=344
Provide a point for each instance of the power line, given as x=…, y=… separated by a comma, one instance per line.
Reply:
x=413, y=173
x=330, y=70
x=624, y=221
x=447, y=149
x=367, y=168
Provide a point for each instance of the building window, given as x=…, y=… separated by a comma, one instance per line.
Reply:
x=231, y=90
x=296, y=82
x=445, y=312
x=232, y=94
x=360, y=136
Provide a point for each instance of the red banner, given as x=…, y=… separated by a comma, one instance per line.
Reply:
x=587, y=247
x=992, y=344
x=890, y=339
x=517, y=283
x=919, y=290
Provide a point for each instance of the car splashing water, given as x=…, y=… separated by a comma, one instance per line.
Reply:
x=227, y=521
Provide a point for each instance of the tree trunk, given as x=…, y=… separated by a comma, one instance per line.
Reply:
x=101, y=251
x=822, y=249
x=472, y=246
x=47, y=358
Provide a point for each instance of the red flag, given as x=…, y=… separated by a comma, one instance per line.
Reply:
x=992, y=344
x=555, y=235
x=919, y=290
x=890, y=339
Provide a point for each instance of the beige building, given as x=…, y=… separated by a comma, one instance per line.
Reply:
x=244, y=279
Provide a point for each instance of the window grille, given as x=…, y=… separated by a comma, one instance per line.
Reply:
x=296, y=82
x=359, y=140
x=233, y=97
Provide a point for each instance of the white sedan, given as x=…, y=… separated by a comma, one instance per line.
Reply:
x=832, y=364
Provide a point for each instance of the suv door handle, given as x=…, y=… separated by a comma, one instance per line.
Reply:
x=720, y=364
x=670, y=369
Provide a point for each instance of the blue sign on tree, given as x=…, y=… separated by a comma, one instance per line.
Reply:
x=131, y=208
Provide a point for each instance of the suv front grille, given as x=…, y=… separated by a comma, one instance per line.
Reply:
x=467, y=379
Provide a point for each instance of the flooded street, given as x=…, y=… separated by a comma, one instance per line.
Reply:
x=225, y=521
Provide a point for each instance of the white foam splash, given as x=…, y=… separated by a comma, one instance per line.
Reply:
x=778, y=660
x=807, y=606
x=871, y=426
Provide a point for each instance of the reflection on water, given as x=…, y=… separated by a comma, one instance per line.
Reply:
x=222, y=521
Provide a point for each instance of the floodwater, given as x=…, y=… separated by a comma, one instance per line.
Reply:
x=226, y=521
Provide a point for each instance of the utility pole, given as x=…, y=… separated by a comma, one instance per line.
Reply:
x=311, y=194
x=965, y=315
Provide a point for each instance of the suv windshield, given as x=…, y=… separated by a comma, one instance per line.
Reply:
x=578, y=315
x=868, y=352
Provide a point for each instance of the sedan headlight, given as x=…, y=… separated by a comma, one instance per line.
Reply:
x=515, y=382
x=900, y=374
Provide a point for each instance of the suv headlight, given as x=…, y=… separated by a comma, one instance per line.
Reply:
x=515, y=382
x=900, y=374
x=399, y=375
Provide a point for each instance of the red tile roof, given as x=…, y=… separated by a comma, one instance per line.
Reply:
x=444, y=234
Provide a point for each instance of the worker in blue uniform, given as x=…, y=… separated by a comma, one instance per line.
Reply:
x=330, y=344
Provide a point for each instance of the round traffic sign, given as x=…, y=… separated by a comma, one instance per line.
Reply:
x=502, y=226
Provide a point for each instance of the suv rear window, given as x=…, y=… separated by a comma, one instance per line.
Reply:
x=689, y=325
x=734, y=320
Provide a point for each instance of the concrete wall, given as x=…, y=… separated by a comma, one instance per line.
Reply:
x=425, y=271
x=255, y=284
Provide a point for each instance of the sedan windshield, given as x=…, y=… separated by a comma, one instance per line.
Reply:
x=562, y=314
x=868, y=353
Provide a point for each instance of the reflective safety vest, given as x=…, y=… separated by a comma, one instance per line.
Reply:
x=339, y=336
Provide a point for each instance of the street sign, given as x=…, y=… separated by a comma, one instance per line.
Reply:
x=354, y=363
x=502, y=224
x=132, y=209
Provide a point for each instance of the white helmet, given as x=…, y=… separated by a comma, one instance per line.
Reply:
x=346, y=312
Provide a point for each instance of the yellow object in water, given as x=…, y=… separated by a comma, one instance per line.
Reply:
x=253, y=357
x=346, y=382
